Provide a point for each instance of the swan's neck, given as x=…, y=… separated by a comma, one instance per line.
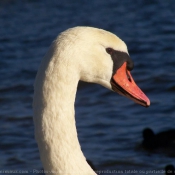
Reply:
x=55, y=129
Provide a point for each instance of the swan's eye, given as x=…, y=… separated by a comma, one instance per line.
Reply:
x=109, y=50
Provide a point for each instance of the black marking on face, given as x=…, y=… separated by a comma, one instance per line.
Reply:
x=119, y=58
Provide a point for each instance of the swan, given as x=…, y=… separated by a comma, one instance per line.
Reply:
x=80, y=53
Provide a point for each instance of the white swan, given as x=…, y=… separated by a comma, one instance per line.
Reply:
x=80, y=53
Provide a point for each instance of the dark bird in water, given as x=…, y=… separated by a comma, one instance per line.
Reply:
x=164, y=139
x=169, y=170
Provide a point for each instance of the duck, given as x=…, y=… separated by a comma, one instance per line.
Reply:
x=80, y=53
x=169, y=169
x=163, y=139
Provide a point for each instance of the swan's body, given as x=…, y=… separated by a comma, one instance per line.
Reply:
x=77, y=54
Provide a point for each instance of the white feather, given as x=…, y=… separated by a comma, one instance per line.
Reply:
x=77, y=54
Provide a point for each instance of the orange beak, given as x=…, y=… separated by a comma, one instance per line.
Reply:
x=123, y=83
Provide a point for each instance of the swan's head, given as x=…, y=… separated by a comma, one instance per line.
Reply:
x=101, y=57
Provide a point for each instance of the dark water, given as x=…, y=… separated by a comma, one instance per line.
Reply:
x=109, y=126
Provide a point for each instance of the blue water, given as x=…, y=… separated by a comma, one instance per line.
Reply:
x=109, y=126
